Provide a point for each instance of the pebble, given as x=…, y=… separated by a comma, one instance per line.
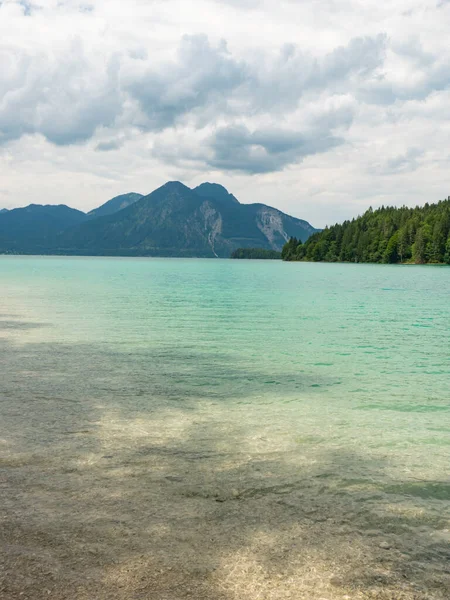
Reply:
x=385, y=545
x=336, y=581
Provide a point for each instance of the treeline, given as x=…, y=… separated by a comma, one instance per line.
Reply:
x=387, y=235
x=255, y=253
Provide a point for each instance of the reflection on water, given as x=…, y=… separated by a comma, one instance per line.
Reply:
x=218, y=429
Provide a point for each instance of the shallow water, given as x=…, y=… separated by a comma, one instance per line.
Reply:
x=224, y=429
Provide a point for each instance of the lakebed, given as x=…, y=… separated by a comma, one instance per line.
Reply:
x=178, y=429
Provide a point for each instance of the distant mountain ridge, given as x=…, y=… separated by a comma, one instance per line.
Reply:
x=174, y=220
x=35, y=227
x=115, y=204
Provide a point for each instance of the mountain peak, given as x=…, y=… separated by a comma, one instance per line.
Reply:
x=173, y=220
x=115, y=204
x=176, y=185
x=215, y=191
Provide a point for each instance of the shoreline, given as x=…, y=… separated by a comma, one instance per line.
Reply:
x=406, y=264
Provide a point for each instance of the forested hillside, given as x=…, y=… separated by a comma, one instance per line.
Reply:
x=256, y=253
x=387, y=235
x=174, y=220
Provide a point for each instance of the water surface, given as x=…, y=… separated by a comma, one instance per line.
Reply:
x=224, y=429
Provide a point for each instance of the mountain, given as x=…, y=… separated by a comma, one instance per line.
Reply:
x=175, y=220
x=217, y=192
x=35, y=228
x=115, y=204
x=387, y=235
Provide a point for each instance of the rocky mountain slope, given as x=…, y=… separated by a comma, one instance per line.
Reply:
x=174, y=220
x=177, y=221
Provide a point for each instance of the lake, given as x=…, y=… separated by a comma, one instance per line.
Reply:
x=174, y=428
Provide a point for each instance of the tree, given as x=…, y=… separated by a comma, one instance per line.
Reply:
x=419, y=248
x=447, y=251
x=387, y=235
x=391, y=252
x=403, y=244
x=288, y=251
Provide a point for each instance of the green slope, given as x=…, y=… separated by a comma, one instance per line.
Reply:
x=177, y=221
x=418, y=235
x=115, y=204
x=35, y=228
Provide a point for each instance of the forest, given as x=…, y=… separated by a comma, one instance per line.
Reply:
x=418, y=235
x=257, y=253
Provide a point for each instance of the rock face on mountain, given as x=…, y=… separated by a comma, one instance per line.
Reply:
x=177, y=221
x=174, y=220
x=115, y=204
x=36, y=228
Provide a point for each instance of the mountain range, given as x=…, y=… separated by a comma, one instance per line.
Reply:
x=174, y=220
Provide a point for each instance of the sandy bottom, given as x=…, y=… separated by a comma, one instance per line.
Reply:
x=223, y=430
x=188, y=505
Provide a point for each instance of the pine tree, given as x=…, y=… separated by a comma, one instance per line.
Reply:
x=391, y=235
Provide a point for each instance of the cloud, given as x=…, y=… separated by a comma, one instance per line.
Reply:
x=241, y=4
x=63, y=97
x=27, y=7
x=414, y=74
x=353, y=98
x=269, y=149
x=264, y=151
x=200, y=76
x=261, y=149
x=68, y=96
x=206, y=82
x=405, y=162
x=109, y=146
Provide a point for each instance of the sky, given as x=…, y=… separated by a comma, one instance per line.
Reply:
x=320, y=108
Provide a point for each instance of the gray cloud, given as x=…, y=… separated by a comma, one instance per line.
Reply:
x=206, y=81
x=63, y=98
x=297, y=80
x=279, y=84
x=109, y=146
x=402, y=163
x=28, y=7
x=265, y=150
x=428, y=73
x=360, y=57
x=202, y=76
x=413, y=50
x=269, y=149
x=66, y=98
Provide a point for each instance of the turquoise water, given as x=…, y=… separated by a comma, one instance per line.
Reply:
x=197, y=385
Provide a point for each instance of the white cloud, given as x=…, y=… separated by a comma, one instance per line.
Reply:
x=319, y=108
